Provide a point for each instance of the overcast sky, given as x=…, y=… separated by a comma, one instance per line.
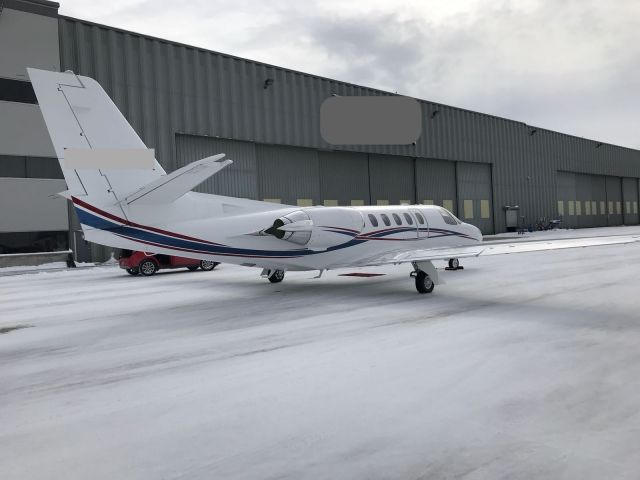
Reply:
x=566, y=65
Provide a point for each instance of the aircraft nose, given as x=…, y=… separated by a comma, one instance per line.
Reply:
x=478, y=234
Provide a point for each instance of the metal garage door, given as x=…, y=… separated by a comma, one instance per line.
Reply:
x=582, y=200
x=436, y=183
x=288, y=174
x=614, y=200
x=391, y=179
x=630, y=199
x=590, y=193
x=566, y=188
x=475, y=195
x=598, y=200
x=344, y=178
x=239, y=179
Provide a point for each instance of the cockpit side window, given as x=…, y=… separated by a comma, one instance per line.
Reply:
x=373, y=220
x=448, y=217
x=385, y=219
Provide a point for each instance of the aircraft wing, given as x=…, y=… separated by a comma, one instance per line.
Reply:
x=500, y=248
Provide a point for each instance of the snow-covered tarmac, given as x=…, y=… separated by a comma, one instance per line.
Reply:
x=521, y=366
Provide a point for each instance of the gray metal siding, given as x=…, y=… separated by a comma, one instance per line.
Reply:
x=614, y=194
x=344, y=176
x=630, y=198
x=566, y=192
x=391, y=179
x=240, y=179
x=164, y=88
x=288, y=174
x=436, y=181
x=474, y=187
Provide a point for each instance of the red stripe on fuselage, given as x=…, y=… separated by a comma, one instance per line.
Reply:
x=137, y=225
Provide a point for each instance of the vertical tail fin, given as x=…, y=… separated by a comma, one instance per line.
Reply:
x=96, y=147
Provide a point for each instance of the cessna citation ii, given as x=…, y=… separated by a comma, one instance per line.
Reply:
x=124, y=199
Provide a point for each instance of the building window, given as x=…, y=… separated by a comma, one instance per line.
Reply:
x=17, y=91
x=29, y=167
x=31, y=242
x=397, y=218
x=373, y=220
x=385, y=219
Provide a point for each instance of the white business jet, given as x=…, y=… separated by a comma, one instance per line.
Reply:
x=124, y=199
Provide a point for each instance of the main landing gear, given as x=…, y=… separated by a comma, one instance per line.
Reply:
x=425, y=275
x=274, y=275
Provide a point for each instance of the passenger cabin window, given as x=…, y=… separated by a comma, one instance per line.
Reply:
x=373, y=220
x=409, y=219
x=420, y=218
x=397, y=218
x=447, y=217
x=385, y=219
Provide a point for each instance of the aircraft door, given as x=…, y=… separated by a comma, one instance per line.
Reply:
x=421, y=223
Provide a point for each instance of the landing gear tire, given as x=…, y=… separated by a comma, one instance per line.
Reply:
x=277, y=276
x=424, y=284
x=133, y=271
x=454, y=263
x=207, y=265
x=147, y=268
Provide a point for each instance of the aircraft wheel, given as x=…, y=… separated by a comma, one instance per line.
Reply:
x=454, y=263
x=424, y=284
x=133, y=271
x=277, y=276
x=208, y=265
x=148, y=268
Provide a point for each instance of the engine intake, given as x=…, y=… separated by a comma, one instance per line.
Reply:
x=300, y=236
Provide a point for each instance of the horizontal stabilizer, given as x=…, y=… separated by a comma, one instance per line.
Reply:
x=169, y=188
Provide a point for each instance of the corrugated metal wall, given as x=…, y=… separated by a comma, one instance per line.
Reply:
x=391, y=180
x=165, y=88
x=239, y=179
x=614, y=200
x=436, y=182
x=288, y=174
x=630, y=199
x=474, y=195
x=344, y=178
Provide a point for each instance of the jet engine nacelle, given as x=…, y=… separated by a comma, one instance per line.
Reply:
x=318, y=228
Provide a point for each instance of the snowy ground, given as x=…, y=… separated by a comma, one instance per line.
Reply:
x=521, y=366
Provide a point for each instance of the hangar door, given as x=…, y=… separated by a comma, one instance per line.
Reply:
x=391, y=179
x=630, y=199
x=436, y=183
x=288, y=175
x=239, y=179
x=614, y=200
x=583, y=199
x=475, y=195
x=590, y=194
x=344, y=178
x=566, y=193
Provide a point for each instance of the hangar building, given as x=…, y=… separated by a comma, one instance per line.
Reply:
x=188, y=103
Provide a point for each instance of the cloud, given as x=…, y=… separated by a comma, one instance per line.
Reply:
x=566, y=65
